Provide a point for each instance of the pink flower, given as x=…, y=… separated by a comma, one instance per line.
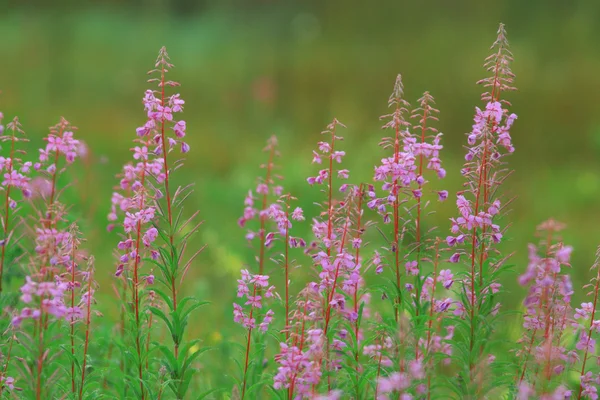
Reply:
x=161, y=113
x=179, y=129
x=442, y=195
x=412, y=268
x=343, y=174
x=337, y=155
x=297, y=214
x=455, y=258
x=447, y=278
x=316, y=158
x=140, y=153
x=176, y=103
x=260, y=280
x=563, y=255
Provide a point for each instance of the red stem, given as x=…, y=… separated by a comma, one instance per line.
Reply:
x=248, y=344
x=263, y=219
x=541, y=306
x=330, y=214
x=418, y=225
x=54, y=178
x=585, y=357
x=287, y=279
x=337, y=271
x=427, y=348
x=301, y=345
x=330, y=193
x=87, y=334
x=356, y=261
x=7, y=209
x=482, y=183
x=73, y=317
x=396, y=192
x=423, y=129
x=136, y=300
x=168, y=195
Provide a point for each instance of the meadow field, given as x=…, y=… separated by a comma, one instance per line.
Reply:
x=213, y=211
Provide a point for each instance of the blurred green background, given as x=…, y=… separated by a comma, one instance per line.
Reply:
x=250, y=69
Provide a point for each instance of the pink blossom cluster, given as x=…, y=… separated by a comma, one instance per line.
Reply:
x=411, y=379
x=380, y=351
x=399, y=171
x=259, y=204
x=55, y=247
x=548, y=287
x=493, y=123
x=527, y=391
x=334, y=245
x=136, y=196
x=162, y=127
x=15, y=171
x=300, y=364
x=548, y=307
x=589, y=385
x=446, y=279
x=463, y=226
x=400, y=382
x=250, y=288
x=490, y=132
x=136, y=202
x=403, y=170
x=60, y=143
x=48, y=298
x=160, y=112
x=283, y=220
x=327, y=151
x=439, y=344
x=9, y=381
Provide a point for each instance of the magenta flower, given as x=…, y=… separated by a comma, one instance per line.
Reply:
x=447, y=278
x=455, y=258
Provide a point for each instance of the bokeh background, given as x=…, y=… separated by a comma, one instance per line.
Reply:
x=250, y=69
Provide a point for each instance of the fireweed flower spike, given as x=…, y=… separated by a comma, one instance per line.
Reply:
x=60, y=151
x=305, y=350
x=475, y=232
x=267, y=218
x=333, y=235
x=137, y=244
x=15, y=183
x=586, y=322
x=299, y=360
x=426, y=147
x=155, y=230
x=355, y=309
x=46, y=290
x=174, y=230
x=432, y=343
x=254, y=290
x=543, y=358
x=395, y=172
x=415, y=155
x=81, y=286
x=281, y=213
x=258, y=203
